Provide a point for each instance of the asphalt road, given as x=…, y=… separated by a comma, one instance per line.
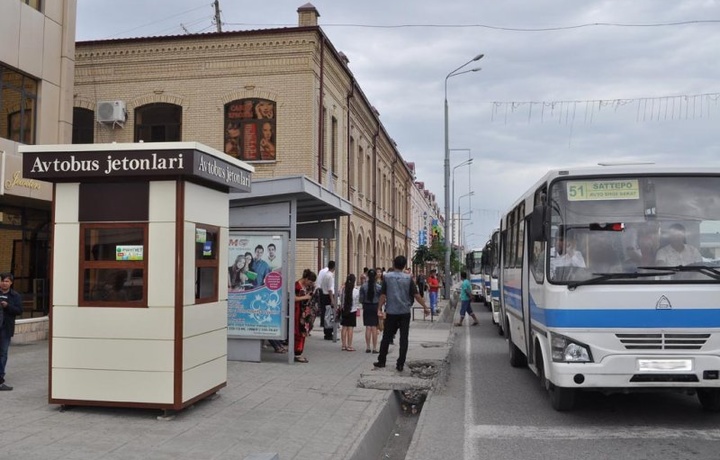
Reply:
x=489, y=410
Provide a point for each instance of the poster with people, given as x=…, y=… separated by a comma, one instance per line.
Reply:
x=250, y=129
x=255, y=286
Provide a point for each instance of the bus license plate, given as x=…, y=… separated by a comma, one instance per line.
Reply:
x=664, y=365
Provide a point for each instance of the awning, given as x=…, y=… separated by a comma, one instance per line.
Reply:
x=314, y=202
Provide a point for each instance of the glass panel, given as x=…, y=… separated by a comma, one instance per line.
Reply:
x=158, y=122
x=618, y=225
x=206, y=244
x=205, y=282
x=112, y=285
x=114, y=244
x=83, y=126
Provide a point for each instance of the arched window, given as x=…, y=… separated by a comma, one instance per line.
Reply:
x=158, y=122
x=83, y=131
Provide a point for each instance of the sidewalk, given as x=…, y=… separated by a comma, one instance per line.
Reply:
x=334, y=407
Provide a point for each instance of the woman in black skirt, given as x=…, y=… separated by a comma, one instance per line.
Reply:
x=348, y=318
x=369, y=298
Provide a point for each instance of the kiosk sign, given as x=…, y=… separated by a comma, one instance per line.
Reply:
x=64, y=166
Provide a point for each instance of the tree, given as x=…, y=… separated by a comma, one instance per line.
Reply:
x=422, y=256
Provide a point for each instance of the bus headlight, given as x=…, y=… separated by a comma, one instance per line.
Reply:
x=566, y=350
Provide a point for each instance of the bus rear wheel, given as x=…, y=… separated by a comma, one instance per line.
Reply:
x=709, y=399
x=517, y=358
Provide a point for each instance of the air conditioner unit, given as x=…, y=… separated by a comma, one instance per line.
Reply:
x=111, y=112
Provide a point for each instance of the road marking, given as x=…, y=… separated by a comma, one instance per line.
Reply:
x=469, y=450
x=585, y=433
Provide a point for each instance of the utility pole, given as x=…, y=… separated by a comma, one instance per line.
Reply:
x=218, y=23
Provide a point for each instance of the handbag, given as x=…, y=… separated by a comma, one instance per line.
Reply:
x=381, y=324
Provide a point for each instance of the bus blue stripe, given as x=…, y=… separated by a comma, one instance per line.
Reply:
x=616, y=318
x=688, y=318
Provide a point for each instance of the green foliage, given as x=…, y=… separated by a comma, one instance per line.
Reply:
x=422, y=256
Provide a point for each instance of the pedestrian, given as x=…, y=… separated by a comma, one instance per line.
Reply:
x=326, y=285
x=465, y=296
x=348, y=319
x=11, y=304
x=433, y=288
x=328, y=301
x=421, y=284
x=304, y=315
x=396, y=300
x=369, y=297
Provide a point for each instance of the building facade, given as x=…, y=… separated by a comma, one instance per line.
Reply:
x=284, y=100
x=36, y=87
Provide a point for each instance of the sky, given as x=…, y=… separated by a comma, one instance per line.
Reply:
x=562, y=82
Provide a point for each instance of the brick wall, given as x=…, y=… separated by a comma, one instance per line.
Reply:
x=201, y=73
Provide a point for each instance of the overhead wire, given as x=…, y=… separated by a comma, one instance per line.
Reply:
x=487, y=26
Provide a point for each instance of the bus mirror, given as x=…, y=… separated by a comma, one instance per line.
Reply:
x=537, y=224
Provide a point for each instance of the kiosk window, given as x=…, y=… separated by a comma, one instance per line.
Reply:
x=113, y=265
x=206, y=263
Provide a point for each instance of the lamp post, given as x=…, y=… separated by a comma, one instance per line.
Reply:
x=448, y=247
x=452, y=201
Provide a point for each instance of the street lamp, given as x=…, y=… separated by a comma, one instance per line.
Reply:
x=452, y=201
x=448, y=247
x=471, y=193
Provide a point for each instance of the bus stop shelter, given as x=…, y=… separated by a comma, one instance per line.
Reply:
x=279, y=211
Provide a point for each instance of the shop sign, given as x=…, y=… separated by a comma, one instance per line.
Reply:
x=14, y=183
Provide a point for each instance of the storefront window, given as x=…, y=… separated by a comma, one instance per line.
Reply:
x=18, y=95
x=113, y=265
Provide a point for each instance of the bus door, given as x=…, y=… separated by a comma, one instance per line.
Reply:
x=525, y=288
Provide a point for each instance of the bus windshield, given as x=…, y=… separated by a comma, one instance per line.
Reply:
x=474, y=262
x=634, y=230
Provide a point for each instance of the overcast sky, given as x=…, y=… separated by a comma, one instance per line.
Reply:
x=633, y=89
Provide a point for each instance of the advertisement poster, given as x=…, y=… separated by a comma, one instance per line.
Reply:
x=255, y=286
x=250, y=129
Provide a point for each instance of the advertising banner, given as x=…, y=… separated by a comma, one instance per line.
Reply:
x=256, y=286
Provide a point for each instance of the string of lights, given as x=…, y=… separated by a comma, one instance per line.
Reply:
x=661, y=108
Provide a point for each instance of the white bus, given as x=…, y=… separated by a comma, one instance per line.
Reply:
x=473, y=265
x=491, y=269
x=610, y=281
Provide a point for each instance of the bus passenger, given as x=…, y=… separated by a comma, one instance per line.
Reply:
x=565, y=254
x=647, y=247
x=677, y=251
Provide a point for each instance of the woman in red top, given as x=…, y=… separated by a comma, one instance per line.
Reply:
x=303, y=312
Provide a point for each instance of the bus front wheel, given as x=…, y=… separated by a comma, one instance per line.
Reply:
x=709, y=399
x=562, y=399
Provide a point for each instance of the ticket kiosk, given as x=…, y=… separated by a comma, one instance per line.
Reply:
x=139, y=270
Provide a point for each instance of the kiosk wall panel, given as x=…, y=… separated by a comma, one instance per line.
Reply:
x=114, y=386
x=122, y=355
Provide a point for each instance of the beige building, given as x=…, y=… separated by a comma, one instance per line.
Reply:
x=283, y=100
x=37, y=54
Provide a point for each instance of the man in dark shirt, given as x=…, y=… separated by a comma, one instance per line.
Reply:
x=397, y=294
x=11, y=305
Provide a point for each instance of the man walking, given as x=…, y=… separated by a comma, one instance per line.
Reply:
x=465, y=296
x=11, y=305
x=396, y=299
x=326, y=284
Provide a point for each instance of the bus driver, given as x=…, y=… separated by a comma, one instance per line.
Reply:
x=565, y=253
